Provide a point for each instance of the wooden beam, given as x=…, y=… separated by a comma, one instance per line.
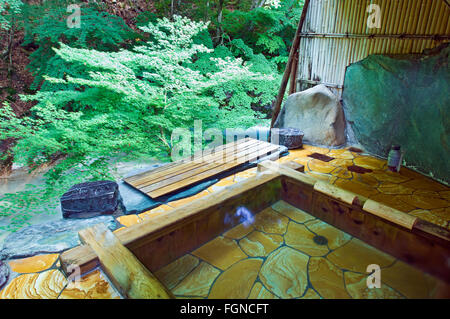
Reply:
x=286, y=171
x=297, y=193
x=432, y=231
x=336, y=192
x=291, y=164
x=287, y=71
x=127, y=274
x=80, y=257
x=390, y=214
x=149, y=230
x=295, y=166
x=419, y=247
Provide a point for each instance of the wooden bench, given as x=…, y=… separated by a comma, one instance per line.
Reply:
x=211, y=162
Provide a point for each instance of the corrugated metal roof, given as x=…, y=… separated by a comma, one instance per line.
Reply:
x=336, y=33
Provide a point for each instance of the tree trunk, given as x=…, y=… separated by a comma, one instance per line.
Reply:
x=257, y=4
x=287, y=72
x=10, y=48
x=7, y=53
x=6, y=163
x=219, y=21
x=207, y=11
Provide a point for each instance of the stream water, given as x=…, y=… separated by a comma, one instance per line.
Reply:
x=20, y=177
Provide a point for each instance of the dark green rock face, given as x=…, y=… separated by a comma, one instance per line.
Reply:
x=406, y=101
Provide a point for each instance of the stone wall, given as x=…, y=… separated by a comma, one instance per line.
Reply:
x=403, y=100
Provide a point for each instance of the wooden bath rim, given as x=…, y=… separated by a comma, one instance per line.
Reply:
x=161, y=240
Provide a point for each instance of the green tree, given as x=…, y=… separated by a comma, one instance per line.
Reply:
x=268, y=29
x=98, y=30
x=126, y=104
x=267, y=26
x=9, y=23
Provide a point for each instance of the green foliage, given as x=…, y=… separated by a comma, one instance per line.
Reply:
x=98, y=30
x=235, y=93
x=146, y=17
x=107, y=93
x=125, y=104
x=22, y=206
x=268, y=30
x=9, y=11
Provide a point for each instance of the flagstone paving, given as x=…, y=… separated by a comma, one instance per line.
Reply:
x=226, y=285
x=33, y=264
x=221, y=252
x=44, y=285
x=294, y=264
x=407, y=190
x=198, y=282
x=92, y=286
x=341, y=261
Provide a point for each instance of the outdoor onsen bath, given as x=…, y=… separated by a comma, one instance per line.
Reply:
x=237, y=150
x=281, y=234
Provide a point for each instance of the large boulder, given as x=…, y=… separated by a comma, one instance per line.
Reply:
x=318, y=113
x=402, y=100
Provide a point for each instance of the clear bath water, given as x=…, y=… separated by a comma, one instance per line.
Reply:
x=287, y=253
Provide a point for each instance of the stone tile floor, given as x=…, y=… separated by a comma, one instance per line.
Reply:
x=278, y=257
x=408, y=191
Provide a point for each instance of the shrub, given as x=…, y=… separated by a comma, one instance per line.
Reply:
x=99, y=30
x=125, y=104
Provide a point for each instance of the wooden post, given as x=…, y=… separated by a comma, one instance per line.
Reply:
x=294, y=71
x=127, y=273
x=287, y=71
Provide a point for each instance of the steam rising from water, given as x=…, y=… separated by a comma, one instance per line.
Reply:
x=245, y=216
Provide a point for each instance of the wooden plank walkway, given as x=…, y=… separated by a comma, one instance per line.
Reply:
x=177, y=175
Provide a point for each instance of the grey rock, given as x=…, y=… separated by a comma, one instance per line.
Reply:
x=4, y=274
x=402, y=100
x=91, y=199
x=290, y=137
x=318, y=113
x=50, y=237
x=134, y=201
